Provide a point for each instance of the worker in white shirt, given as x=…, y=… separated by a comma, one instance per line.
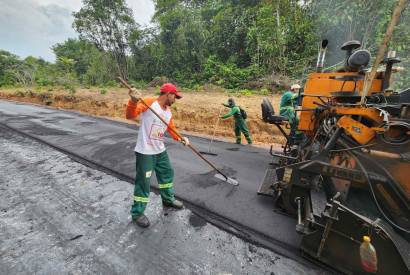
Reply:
x=151, y=154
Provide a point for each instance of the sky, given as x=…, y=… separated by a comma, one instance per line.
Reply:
x=31, y=27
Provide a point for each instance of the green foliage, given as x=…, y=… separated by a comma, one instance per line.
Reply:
x=69, y=88
x=101, y=69
x=7, y=62
x=235, y=44
x=225, y=42
x=366, y=21
x=80, y=51
x=363, y=20
x=264, y=91
x=139, y=84
x=108, y=25
x=246, y=92
x=282, y=39
x=228, y=74
x=65, y=64
x=83, y=61
x=401, y=43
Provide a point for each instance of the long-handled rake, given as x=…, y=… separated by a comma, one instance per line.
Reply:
x=219, y=174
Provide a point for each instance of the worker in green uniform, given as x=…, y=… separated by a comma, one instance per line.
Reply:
x=288, y=103
x=150, y=150
x=240, y=121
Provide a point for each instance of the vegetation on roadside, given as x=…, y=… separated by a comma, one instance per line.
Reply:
x=239, y=45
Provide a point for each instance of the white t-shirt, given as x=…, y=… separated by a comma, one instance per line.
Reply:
x=150, y=139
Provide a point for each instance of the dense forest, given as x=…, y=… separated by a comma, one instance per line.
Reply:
x=234, y=44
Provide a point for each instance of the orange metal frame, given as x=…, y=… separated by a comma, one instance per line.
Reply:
x=323, y=85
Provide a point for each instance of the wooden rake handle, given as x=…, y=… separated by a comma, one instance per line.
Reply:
x=125, y=83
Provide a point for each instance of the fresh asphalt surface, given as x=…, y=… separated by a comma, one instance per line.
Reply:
x=111, y=144
x=58, y=216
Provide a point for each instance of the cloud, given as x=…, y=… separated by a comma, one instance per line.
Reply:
x=72, y=5
x=26, y=28
x=32, y=27
x=143, y=10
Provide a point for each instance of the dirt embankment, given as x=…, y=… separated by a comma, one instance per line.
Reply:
x=196, y=113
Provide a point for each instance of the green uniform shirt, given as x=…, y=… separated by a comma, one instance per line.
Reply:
x=288, y=100
x=240, y=124
x=287, y=109
x=235, y=111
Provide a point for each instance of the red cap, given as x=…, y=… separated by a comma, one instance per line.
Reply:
x=170, y=88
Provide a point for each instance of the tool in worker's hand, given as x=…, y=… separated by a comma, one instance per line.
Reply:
x=219, y=174
x=213, y=136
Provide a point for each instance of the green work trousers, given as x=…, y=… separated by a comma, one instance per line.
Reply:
x=145, y=166
x=290, y=113
x=241, y=127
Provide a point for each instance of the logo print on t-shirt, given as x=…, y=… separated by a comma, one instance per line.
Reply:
x=157, y=132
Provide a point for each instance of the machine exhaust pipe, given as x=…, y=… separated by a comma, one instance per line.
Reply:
x=390, y=60
x=321, y=56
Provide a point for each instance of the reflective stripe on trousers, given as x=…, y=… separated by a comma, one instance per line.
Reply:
x=141, y=199
x=165, y=185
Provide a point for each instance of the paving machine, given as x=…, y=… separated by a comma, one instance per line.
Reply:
x=349, y=176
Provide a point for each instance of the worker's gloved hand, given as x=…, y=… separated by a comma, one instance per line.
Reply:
x=134, y=95
x=185, y=141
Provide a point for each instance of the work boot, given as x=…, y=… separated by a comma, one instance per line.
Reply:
x=175, y=204
x=141, y=221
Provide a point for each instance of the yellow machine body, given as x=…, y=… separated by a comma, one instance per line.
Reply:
x=323, y=86
x=357, y=130
x=329, y=87
x=352, y=161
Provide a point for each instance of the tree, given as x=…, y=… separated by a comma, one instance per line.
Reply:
x=80, y=51
x=182, y=43
x=146, y=58
x=7, y=61
x=233, y=43
x=363, y=20
x=366, y=21
x=107, y=24
x=229, y=27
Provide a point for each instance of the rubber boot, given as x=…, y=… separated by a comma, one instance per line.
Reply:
x=174, y=204
x=238, y=139
x=141, y=221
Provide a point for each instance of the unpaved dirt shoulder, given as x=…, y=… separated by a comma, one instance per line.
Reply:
x=196, y=113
